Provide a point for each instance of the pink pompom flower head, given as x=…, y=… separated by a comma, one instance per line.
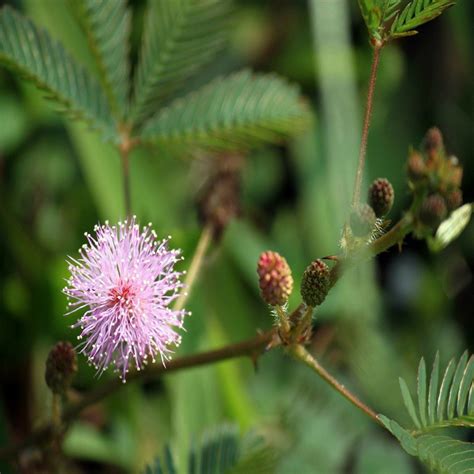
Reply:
x=125, y=278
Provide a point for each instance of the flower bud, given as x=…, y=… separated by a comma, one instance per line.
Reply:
x=454, y=199
x=316, y=283
x=61, y=366
x=274, y=278
x=362, y=220
x=433, y=210
x=381, y=196
x=433, y=142
x=416, y=167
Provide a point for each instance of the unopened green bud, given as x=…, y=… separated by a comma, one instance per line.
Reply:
x=316, y=283
x=381, y=196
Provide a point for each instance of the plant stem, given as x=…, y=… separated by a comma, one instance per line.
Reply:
x=366, y=126
x=196, y=263
x=250, y=347
x=124, y=155
x=300, y=353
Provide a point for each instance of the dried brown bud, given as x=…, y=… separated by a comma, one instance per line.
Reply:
x=274, y=278
x=362, y=220
x=433, y=210
x=61, y=366
x=219, y=199
x=316, y=283
x=381, y=196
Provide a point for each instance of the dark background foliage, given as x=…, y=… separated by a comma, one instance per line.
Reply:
x=57, y=180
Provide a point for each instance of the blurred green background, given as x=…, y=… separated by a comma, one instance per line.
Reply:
x=58, y=179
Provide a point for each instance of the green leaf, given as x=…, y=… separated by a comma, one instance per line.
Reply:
x=446, y=455
x=223, y=451
x=378, y=12
x=416, y=13
x=237, y=112
x=106, y=24
x=441, y=454
x=433, y=390
x=451, y=228
x=409, y=402
x=422, y=402
x=32, y=53
x=180, y=37
x=450, y=405
x=455, y=386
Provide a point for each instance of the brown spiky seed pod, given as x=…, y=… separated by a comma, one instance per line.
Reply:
x=381, y=196
x=362, y=220
x=454, y=199
x=316, y=283
x=416, y=167
x=61, y=366
x=274, y=278
x=433, y=142
x=433, y=210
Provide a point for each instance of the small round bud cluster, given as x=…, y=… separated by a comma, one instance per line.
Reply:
x=433, y=210
x=381, y=196
x=435, y=179
x=274, y=278
x=316, y=283
x=362, y=220
x=61, y=366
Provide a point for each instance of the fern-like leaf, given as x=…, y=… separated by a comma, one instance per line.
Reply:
x=239, y=111
x=106, y=24
x=442, y=454
x=377, y=13
x=222, y=451
x=415, y=14
x=449, y=405
x=31, y=52
x=180, y=36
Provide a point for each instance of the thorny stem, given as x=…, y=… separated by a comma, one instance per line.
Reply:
x=366, y=126
x=250, y=348
x=196, y=264
x=300, y=353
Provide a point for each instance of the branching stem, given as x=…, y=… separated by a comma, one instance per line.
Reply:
x=367, y=121
x=250, y=348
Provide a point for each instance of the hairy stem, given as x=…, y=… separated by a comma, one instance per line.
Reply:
x=249, y=348
x=366, y=126
x=300, y=353
x=196, y=263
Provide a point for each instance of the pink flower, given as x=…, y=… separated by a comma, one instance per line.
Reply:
x=125, y=278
